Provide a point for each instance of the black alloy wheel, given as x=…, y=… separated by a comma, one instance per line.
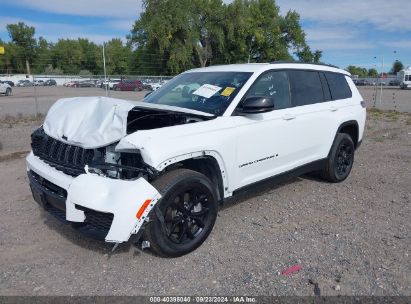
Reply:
x=185, y=215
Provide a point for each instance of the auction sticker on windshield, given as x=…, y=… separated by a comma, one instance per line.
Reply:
x=207, y=90
x=227, y=91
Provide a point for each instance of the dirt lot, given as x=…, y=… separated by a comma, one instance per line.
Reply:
x=23, y=102
x=351, y=238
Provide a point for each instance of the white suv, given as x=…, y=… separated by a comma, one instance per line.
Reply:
x=158, y=169
x=5, y=88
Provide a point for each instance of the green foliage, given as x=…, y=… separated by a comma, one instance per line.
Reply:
x=117, y=57
x=396, y=67
x=174, y=35
x=372, y=72
x=169, y=37
x=354, y=70
x=305, y=55
x=67, y=56
x=23, y=44
x=49, y=70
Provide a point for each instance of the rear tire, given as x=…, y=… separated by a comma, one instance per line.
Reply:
x=340, y=160
x=8, y=92
x=185, y=214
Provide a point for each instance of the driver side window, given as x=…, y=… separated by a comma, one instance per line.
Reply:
x=275, y=85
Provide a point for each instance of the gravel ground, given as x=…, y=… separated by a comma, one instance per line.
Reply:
x=351, y=238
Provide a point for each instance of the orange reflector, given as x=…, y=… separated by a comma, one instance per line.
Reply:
x=143, y=208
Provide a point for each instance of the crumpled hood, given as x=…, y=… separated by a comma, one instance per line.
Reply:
x=89, y=122
x=93, y=122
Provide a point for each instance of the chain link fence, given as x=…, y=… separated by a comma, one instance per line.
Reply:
x=33, y=95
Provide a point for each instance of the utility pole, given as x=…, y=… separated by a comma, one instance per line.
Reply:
x=105, y=73
x=382, y=75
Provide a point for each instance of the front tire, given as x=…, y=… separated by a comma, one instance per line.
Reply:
x=340, y=160
x=185, y=214
x=8, y=92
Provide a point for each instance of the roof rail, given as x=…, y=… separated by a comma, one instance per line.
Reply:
x=301, y=62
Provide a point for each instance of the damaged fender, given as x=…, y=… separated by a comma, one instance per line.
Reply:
x=129, y=201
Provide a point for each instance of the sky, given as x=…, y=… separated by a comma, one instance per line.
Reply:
x=348, y=32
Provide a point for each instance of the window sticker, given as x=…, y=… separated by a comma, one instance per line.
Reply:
x=207, y=90
x=227, y=91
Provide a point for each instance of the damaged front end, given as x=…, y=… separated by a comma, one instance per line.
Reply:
x=105, y=161
x=76, y=173
x=102, y=193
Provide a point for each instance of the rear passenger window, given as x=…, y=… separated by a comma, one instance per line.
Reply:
x=306, y=87
x=274, y=85
x=338, y=86
x=326, y=88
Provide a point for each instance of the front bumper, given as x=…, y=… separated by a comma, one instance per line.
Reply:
x=101, y=207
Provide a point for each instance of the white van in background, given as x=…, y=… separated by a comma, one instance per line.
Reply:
x=404, y=76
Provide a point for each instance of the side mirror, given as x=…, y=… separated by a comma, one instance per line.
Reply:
x=257, y=104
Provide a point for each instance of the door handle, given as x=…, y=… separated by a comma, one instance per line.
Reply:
x=333, y=108
x=288, y=116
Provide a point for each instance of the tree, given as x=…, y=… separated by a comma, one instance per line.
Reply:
x=42, y=57
x=360, y=72
x=67, y=55
x=372, y=72
x=117, y=57
x=22, y=37
x=90, y=58
x=396, y=67
x=171, y=36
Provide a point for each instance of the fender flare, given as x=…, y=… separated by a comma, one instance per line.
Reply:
x=209, y=153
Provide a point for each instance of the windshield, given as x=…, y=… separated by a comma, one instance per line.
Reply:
x=210, y=92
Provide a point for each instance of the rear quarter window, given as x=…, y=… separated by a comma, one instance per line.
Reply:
x=306, y=87
x=339, y=87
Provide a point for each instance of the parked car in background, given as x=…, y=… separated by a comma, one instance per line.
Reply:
x=24, y=83
x=68, y=84
x=85, y=84
x=50, y=82
x=38, y=83
x=98, y=83
x=155, y=85
x=129, y=85
x=361, y=82
x=73, y=84
x=5, y=88
x=110, y=83
x=9, y=82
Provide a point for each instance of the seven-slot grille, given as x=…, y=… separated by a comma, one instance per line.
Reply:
x=67, y=158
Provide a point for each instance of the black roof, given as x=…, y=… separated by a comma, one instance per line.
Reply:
x=301, y=62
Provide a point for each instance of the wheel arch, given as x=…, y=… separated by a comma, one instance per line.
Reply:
x=352, y=129
x=208, y=163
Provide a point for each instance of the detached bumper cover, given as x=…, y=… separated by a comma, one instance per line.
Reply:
x=107, y=207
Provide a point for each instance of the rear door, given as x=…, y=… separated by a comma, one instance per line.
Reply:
x=267, y=143
x=316, y=114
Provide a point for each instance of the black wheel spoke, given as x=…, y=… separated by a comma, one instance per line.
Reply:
x=190, y=234
x=182, y=232
x=173, y=227
x=199, y=222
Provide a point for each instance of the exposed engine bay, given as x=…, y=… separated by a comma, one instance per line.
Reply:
x=147, y=119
